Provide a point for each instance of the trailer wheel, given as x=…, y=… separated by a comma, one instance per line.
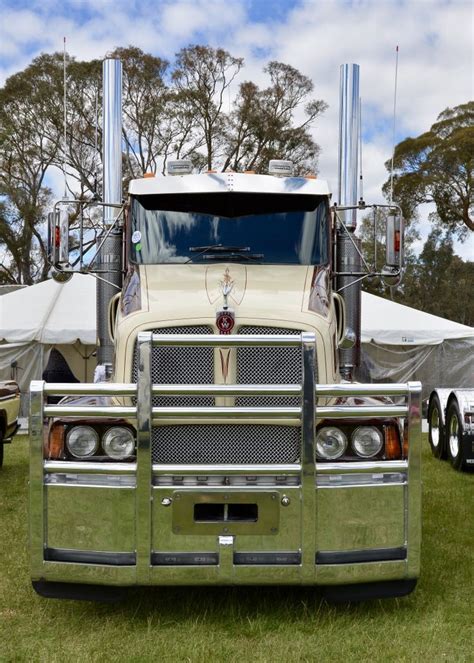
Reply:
x=436, y=430
x=454, y=433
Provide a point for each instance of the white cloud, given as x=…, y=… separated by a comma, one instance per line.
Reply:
x=315, y=36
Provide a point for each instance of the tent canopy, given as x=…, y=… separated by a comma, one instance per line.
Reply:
x=51, y=312
x=389, y=323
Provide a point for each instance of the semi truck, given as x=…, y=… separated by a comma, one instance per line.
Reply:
x=226, y=440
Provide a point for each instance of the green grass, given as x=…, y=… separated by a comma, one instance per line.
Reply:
x=246, y=624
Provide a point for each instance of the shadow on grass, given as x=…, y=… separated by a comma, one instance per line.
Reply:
x=227, y=605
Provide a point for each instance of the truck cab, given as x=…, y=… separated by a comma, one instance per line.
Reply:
x=249, y=251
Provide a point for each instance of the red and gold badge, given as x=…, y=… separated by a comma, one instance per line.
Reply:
x=225, y=321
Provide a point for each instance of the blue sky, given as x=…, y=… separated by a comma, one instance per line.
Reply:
x=315, y=36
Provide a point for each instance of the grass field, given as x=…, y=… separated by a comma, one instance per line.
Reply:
x=247, y=624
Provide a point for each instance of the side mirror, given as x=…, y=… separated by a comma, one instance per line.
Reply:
x=394, y=250
x=58, y=237
x=348, y=340
x=59, y=276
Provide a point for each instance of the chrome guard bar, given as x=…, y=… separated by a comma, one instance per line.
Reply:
x=144, y=414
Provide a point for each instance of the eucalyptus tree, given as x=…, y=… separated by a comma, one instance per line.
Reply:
x=438, y=167
x=262, y=125
x=191, y=108
x=29, y=145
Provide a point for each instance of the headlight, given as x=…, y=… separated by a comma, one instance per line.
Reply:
x=82, y=441
x=367, y=441
x=118, y=443
x=330, y=443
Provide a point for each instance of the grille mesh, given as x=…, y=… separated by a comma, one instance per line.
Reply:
x=186, y=365
x=269, y=366
x=226, y=443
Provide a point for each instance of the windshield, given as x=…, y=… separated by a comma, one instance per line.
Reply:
x=250, y=228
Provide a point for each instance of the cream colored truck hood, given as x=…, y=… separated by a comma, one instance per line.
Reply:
x=273, y=295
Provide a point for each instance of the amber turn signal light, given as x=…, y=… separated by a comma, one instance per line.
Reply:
x=54, y=447
x=393, y=449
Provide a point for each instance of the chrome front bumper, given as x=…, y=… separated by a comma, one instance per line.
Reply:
x=135, y=523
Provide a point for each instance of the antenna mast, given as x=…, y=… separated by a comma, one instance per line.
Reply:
x=393, y=126
x=65, y=117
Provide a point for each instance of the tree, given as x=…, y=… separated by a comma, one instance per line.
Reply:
x=29, y=144
x=438, y=167
x=429, y=279
x=169, y=110
x=262, y=123
x=202, y=77
x=441, y=283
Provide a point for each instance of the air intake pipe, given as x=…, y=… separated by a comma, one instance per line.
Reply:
x=348, y=258
x=109, y=261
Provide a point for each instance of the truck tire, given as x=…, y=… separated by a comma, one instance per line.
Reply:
x=454, y=435
x=436, y=430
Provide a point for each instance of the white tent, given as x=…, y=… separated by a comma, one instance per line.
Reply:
x=387, y=322
x=48, y=315
x=50, y=312
x=400, y=343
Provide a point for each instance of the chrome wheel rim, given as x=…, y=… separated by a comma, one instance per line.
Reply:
x=434, y=426
x=454, y=436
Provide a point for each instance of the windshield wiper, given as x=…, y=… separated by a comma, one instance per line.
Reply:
x=216, y=248
x=234, y=256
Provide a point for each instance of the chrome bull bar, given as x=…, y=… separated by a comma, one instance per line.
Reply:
x=144, y=413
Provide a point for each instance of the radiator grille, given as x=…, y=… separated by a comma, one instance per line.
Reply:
x=269, y=366
x=226, y=443
x=186, y=365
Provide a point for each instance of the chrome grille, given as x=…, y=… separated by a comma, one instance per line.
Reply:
x=226, y=443
x=180, y=365
x=269, y=366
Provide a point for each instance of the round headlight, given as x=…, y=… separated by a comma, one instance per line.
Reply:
x=330, y=443
x=367, y=441
x=82, y=441
x=118, y=442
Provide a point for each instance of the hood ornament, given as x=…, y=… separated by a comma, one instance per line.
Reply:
x=227, y=285
x=225, y=316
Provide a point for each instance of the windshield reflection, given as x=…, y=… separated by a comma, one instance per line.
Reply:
x=278, y=229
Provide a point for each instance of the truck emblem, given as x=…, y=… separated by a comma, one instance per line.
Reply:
x=225, y=321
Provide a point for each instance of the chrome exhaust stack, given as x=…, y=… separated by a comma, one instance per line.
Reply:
x=348, y=247
x=109, y=259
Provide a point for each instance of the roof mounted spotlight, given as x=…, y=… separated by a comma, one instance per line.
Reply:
x=280, y=168
x=180, y=167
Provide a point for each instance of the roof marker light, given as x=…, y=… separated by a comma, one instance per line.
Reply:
x=180, y=167
x=280, y=167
